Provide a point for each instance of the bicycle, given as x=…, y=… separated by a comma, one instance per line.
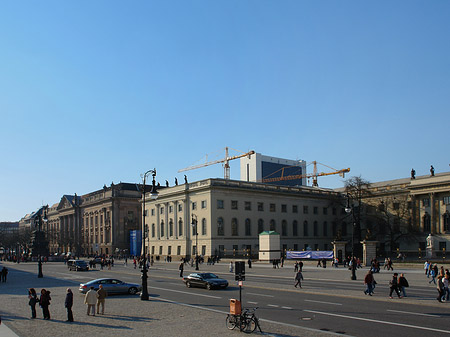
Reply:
x=247, y=321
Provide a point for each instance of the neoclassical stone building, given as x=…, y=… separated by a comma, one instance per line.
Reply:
x=95, y=223
x=230, y=215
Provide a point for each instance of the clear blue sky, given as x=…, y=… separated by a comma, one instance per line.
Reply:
x=94, y=92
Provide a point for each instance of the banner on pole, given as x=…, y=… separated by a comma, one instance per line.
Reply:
x=312, y=255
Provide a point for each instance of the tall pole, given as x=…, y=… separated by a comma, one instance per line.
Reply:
x=40, y=274
x=195, y=225
x=144, y=292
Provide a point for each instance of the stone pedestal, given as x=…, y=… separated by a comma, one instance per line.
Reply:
x=339, y=250
x=369, y=251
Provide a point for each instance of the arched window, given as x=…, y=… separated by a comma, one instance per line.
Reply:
x=273, y=226
x=446, y=221
x=295, y=228
x=427, y=223
x=203, y=226
x=162, y=228
x=260, y=226
x=316, y=228
x=284, y=228
x=180, y=227
x=170, y=227
x=248, y=227
x=305, y=228
x=220, y=229
x=153, y=230
x=234, y=227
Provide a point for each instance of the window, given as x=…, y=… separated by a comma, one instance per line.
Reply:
x=235, y=250
x=180, y=227
x=295, y=228
x=260, y=206
x=305, y=228
x=396, y=206
x=194, y=250
x=325, y=211
x=273, y=226
x=161, y=210
x=427, y=223
x=295, y=247
x=260, y=226
x=220, y=229
x=325, y=228
x=203, y=226
x=152, y=212
x=426, y=202
x=169, y=250
x=446, y=221
x=234, y=227
x=153, y=250
x=316, y=210
x=96, y=220
x=305, y=209
x=284, y=228
x=101, y=217
x=203, y=250
x=334, y=228
x=203, y=204
x=162, y=228
x=334, y=211
x=153, y=230
x=160, y=250
x=178, y=250
x=316, y=228
x=170, y=209
x=219, y=204
x=248, y=206
x=170, y=227
x=294, y=209
x=180, y=207
x=273, y=208
x=283, y=208
x=194, y=206
x=248, y=227
x=234, y=204
x=446, y=200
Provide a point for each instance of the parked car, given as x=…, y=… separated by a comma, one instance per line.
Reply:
x=205, y=280
x=112, y=286
x=77, y=265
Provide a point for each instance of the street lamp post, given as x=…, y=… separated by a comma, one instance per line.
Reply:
x=349, y=210
x=153, y=196
x=194, y=227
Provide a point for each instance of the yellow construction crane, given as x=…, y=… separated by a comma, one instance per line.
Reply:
x=313, y=175
x=226, y=161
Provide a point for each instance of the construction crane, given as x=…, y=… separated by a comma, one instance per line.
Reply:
x=226, y=161
x=313, y=175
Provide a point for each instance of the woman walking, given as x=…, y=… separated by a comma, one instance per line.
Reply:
x=32, y=296
x=44, y=302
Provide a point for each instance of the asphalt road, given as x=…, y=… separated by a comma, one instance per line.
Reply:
x=329, y=301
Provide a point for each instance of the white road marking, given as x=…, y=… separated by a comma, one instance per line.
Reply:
x=323, y=302
x=288, y=308
x=252, y=302
x=414, y=313
x=273, y=305
x=186, y=292
x=377, y=321
x=260, y=295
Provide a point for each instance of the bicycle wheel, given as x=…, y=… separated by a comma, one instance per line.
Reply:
x=231, y=322
x=250, y=325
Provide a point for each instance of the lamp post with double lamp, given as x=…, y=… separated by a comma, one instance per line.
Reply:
x=194, y=227
x=153, y=196
x=349, y=210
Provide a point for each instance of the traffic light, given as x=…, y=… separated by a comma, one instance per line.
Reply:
x=239, y=271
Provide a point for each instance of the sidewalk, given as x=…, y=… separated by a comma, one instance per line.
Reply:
x=124, y=315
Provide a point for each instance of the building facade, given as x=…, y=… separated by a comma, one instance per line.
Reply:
x=224, y=218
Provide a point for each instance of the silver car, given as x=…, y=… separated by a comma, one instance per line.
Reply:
x=112, y=286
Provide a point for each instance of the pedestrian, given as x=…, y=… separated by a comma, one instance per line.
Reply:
x=4, y=274
x=101, y=296
x=393, y=286
x=296, y=267
x=68, y=303
x=440, y=288
x=298, y=279
x=319, y=263
x=433, y=275
x=91, y=299
x=44, y=302
x=445, y=281
x=368, y=281
x=231, y=266
x=426, y=266
x=403, y=284
x=181, y=269
x=32, y=296
x=249, y=263
x=390, y=264
x=300, y=266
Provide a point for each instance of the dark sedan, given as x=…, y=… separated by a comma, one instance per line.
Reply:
x=205, y=280
x=112, y=286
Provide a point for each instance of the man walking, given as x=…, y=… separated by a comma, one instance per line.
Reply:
x=298, y=279
x=181, y=268
x=90, y=299
x=368, y=281
x=393, y=286
x=4, y=274
x=101, y=296
x=403, y=284
x=68, y=304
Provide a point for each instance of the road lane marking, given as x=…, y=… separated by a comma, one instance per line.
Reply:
x=273, y=305
x=414, y=313
x=252, y=302
x=260, y=295
x=378, y=321
x=186, y=292
x=288, y=308
x=323, y=302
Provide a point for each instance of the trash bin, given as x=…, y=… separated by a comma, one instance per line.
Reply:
x=235, y=307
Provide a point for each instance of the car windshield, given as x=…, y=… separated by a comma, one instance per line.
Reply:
x=208, y=275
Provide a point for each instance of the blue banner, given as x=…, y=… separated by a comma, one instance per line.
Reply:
x=135, y=242
x=312, y=255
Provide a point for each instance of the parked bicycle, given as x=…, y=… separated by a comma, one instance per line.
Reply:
x=246, y=322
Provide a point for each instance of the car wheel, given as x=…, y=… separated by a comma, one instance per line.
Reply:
x=132, y=291
x=208, y=286
x=188, y=284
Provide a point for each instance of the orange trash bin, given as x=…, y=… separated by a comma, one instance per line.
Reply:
x=235, y=307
